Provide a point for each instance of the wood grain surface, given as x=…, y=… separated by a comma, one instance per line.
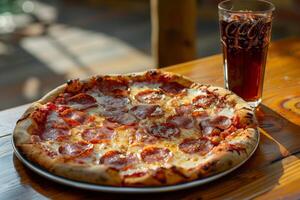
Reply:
x=272, y=173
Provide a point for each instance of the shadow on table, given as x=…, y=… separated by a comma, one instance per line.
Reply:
x=284, y=132
x=53, y=190
x=241, y=183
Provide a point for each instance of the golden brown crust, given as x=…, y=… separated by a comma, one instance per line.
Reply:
x=88, y=173
x=223, y=157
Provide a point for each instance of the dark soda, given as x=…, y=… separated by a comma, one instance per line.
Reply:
x=245, y=39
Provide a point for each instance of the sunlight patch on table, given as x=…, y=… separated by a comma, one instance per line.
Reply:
x=75, y=52
x=31, y=88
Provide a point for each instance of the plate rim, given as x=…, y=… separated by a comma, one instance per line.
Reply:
x=121, y=189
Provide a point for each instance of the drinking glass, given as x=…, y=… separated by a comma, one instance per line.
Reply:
x=245, y=29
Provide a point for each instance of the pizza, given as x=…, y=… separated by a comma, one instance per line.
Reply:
x=142, y=129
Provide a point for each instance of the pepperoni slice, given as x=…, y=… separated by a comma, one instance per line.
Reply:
x=144, y=111
x=76, y=149
x=155, y=154
x=203, y=101
x=221, y=122
x=228, y=131
x=208, y=128
x=149, y=96
x=200, y=114
x=113, y=87
x=82, y=101
x=190, y=146
x=61, y=98
x=182, y=121
x=57, y=123
x=110, y=125
x=184, y=109
x=73, y=117
x=143, y=137
x=172, y=87
x=40, y=116
x=123, y=118
x=78, y=116
x=56, y=134
x=97, y=135
x=117, y=160
x=71, y=122
x=51, y=106
x=55, y=128
x=110, y=103
x=164, y=130
x=215, y=125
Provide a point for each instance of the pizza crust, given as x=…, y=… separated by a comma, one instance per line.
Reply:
x=219, y=159
x=223, y=158
x=87, y=173
x=52, y=94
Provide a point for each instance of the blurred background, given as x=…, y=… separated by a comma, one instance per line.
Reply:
x=43, y=43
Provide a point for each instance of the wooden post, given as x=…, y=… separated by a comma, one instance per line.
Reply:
x=173, y=31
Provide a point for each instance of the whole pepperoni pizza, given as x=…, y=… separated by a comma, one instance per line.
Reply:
x=142, y=129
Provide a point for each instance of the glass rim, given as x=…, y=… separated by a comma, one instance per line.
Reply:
x=271, y=9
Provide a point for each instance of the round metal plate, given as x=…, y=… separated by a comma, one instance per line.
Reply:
x=102, y=188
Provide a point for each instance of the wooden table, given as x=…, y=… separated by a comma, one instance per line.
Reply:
x=272, y=173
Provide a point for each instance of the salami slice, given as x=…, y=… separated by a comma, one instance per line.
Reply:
x=75, y=149
x=184, y=109
x=172, y=87
x=114, y=87
x=144, y=111
x=73, y=117
x=123, y=118
x=199, y=115
x=182, y=121
x=204, y=101
x=221, y=122
x=81, y=101
x=40, y=116
x=149, y=96
x=215, y=125
x=97, y=135
x=142, y=137
x=55, y=128
x=164, y=130
x=61, y=99
x=117, y=160
x=55, y=134
x=208, y=128
x=155, y=154
x=190, y=146
x=111, y=103
x=110, y=124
